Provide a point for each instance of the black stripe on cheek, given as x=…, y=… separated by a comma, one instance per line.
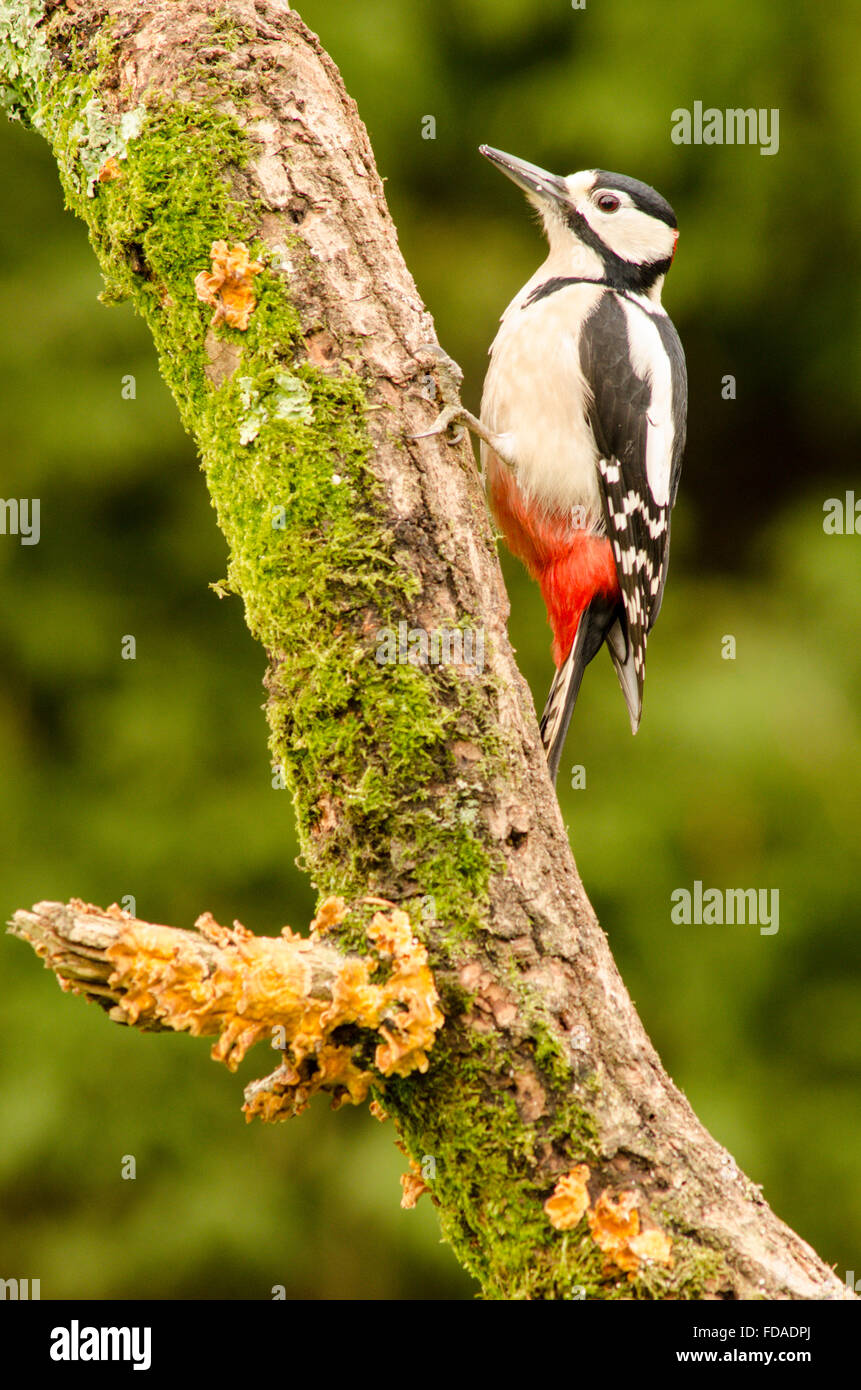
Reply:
x=653, y=271
x=622, y=274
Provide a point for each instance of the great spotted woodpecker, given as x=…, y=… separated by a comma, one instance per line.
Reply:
x=583, y=424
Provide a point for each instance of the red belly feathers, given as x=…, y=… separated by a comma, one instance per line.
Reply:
x=571, y=566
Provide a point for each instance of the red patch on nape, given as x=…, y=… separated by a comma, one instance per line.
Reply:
x=571, y=565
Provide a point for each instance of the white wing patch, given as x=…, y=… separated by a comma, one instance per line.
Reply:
x=652, y=364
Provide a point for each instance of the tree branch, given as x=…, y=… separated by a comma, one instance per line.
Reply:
x=230, y=192
x=316, y=1003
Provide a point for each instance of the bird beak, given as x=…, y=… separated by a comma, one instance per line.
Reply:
x=535, y=182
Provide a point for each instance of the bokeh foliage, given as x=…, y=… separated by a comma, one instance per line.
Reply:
x=152, y=777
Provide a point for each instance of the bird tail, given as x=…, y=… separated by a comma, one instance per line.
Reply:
x=622, y=654
x=556, y=718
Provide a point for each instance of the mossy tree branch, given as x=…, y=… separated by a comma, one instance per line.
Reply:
x=183, y=124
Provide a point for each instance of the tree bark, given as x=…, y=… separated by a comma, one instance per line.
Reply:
x=183, y=126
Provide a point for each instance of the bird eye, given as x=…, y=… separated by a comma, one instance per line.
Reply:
x=608, y=202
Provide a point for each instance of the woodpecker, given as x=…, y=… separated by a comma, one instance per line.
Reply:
x=582, y=424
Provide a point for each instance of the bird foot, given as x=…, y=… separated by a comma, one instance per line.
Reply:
x=449, y=379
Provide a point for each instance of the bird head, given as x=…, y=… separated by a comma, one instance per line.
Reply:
x=620, y=228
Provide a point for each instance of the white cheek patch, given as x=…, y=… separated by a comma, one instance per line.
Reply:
x=632, y=234
x=652, y=364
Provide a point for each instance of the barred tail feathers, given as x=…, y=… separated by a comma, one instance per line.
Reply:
x=591, y=631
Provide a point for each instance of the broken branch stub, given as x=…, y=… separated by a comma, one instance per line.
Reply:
x=341, y=1022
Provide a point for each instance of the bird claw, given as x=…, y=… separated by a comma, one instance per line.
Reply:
x=443, y=422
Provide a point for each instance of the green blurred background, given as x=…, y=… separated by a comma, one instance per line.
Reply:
x=151, y=777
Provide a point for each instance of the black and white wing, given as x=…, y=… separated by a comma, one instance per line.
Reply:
x=634, y=366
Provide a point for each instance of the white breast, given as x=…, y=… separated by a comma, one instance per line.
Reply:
x=535, y=396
